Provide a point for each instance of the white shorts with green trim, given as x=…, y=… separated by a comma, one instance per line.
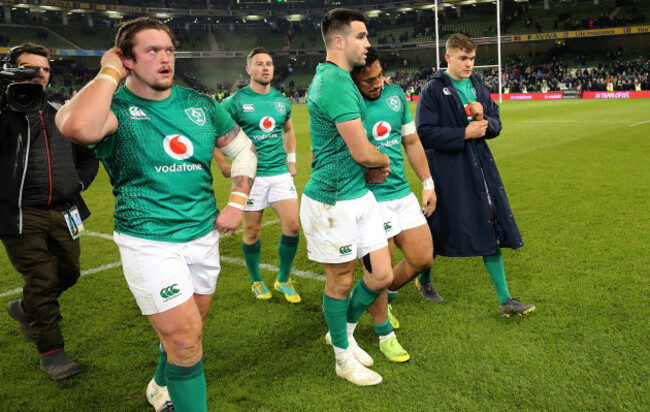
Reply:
x=346, y=231
x=267, y=190
x=163, y=275
x=401, y=214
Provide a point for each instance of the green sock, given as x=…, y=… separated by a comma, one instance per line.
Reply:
x=391, y=296
x=425, y=276
x=159, y=377
x=494, y=265
x=334, y=310
x=187, y=387
x=383, y=329
x=287, y=251
x=252, y=258
x=362, y=296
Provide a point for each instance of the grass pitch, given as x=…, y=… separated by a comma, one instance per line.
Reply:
x=577, y=174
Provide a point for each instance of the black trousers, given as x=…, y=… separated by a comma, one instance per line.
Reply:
x=48, y=259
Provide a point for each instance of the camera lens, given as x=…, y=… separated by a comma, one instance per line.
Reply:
x=25, y=97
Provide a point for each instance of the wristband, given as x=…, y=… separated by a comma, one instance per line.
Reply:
x=108, y=77
x=111, y=71
x=428, y=184
x=108, y=67
x=237, y=200
x=291, y=158
x=236, y=205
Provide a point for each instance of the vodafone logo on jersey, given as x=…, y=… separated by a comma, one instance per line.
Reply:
x=267, y=124
x=178, y=147
x=381, y=130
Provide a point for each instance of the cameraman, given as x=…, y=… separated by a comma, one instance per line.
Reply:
x=42, y=174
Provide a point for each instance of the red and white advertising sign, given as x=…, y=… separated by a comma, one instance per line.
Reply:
x=528, y=96
x=616, y=95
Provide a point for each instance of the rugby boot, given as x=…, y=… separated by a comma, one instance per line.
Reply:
x=361, y=355
x=428, y=292
x=158, y=397
x=348, y=367
x=513, y=306
x=288, y=290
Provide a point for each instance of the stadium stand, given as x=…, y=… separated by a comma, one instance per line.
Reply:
x=234, y=35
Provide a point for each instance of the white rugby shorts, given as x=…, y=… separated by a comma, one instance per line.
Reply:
x=346, y=231
x=267, y=190
x=163, y=275
x=401, y=214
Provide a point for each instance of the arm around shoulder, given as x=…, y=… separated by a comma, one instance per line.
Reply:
x=362, y=151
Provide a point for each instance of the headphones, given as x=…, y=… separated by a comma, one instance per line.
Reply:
x=9, y=57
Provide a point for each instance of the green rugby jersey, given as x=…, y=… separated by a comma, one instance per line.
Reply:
x=467, y=92
x=333, y=98
x=262, y=117
x=384, y=120
x=159, y=161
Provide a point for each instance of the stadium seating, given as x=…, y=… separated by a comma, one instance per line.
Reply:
x=21, y=34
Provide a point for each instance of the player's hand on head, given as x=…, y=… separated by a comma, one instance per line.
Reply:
x=228, y=220
x=114, y=57
x=429, y=201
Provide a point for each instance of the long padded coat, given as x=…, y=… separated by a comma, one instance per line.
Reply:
x=462, y=224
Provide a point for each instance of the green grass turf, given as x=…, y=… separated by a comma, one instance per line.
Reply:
x=577, y=175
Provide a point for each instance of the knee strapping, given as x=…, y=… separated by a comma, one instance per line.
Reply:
x=366, y=263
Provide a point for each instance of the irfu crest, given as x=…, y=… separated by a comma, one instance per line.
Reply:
x=394, y=103
x=280, y=107
x=196, y=115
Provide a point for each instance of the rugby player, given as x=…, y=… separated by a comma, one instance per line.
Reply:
x=156, y=142
x=389, y=126
x=265, y=115
x=339, y=215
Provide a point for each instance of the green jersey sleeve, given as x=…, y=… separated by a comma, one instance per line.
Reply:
x=340, y=100
x=224, y=119
x=288, y=109
x=229, y=105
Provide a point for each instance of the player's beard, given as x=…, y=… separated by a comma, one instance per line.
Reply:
x=161, y=86
x=369, y=96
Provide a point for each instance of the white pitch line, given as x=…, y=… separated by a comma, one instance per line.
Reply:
x=97, y=234
x=83, y=273
x=640, y=123
x=270, y=222
x=271, y=268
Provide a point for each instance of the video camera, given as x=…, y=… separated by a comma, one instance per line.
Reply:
x=23, y=96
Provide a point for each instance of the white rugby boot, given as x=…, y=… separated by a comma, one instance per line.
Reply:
x=348, y=367
x=158, y=397
x=361, y=355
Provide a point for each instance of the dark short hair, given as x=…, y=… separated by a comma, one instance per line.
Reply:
x=460, y=41
x=30, y=48
x=126, y=33
x=338, y=20
x=371, y=57
x=257, y=50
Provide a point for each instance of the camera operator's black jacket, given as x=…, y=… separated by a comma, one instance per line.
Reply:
x=37, y=171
